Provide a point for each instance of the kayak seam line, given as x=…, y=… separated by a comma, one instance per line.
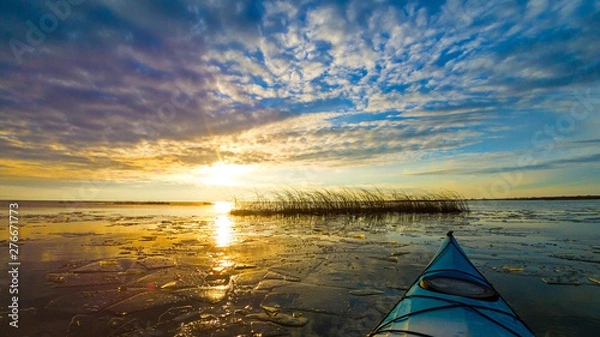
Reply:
x=456, y=304
x=404, y=331
x=416, y=313
x=509, y=313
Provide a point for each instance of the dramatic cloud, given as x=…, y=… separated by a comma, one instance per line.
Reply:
x=115, y=90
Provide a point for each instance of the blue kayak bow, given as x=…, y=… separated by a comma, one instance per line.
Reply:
x=451, y=298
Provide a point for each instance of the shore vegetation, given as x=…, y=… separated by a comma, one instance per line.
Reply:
x=326, y=201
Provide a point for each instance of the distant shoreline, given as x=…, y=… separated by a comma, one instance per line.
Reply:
x=195, y=203
x=576, y=197
x=107, y=202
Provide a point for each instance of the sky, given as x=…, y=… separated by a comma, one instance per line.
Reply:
x=205, y=100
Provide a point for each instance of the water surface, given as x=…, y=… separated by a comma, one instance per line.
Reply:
x=192, y=270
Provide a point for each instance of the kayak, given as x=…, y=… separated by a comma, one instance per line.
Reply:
x=451, y=298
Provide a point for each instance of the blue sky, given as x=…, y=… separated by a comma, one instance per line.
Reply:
x=196, y=100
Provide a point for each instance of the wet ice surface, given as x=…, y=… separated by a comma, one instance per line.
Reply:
x=188, y=271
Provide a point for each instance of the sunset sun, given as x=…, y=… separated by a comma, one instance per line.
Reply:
x=223, y=174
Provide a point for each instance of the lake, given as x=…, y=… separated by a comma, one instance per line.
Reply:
x=104, y=269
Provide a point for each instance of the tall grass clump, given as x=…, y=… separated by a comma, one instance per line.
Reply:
x=294, y=201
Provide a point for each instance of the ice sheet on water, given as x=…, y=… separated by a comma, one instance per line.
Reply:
x=136, y=269
x=90, y=273
x=387, y=258
x=183, y=278
x=298, y=268
x=76, y=324
x=176, y=313
x=308, y=297
x=105, y=266
x=587, y=258
x=69, y=279
x=74, y=264
x=137, y=329
x=144, y=301
x=271, y=284
x=385, y=303
x=158, y=262
x=83, y=302
x=194, y=258
x=512, y=269
x=354, y=270
x=111, y=326
x=210, y=295
x=248, y=279
x=365, y=292
x=272, y=275
x=218, y=278
x=243, y=266
x=337, y=274
x=267, y=329
x=205, y=326
x=558, y=280
x=363, y=315
x=280, y=318
x=75, y=234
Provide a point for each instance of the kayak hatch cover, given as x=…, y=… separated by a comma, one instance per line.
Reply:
x=451, y=298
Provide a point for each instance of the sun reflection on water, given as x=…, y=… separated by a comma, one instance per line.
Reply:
x=223, y=231
x=223, y=224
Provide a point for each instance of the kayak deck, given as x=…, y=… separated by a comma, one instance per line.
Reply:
x=451, y=298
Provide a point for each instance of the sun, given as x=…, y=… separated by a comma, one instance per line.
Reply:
x=223, y=207
x=222, y=174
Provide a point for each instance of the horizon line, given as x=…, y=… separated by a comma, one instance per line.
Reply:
x=206, y=202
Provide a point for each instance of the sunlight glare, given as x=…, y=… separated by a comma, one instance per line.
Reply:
x=222, y=174
x=223, y=207
x=223, y=231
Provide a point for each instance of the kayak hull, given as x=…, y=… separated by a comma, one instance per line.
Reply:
x=451, y=298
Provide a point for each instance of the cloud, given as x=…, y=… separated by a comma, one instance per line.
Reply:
x=339, y=82
x=488, y=164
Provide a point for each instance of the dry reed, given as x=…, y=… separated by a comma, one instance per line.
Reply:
x=294, y=201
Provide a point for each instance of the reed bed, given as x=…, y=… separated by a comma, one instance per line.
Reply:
x=294, y=201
